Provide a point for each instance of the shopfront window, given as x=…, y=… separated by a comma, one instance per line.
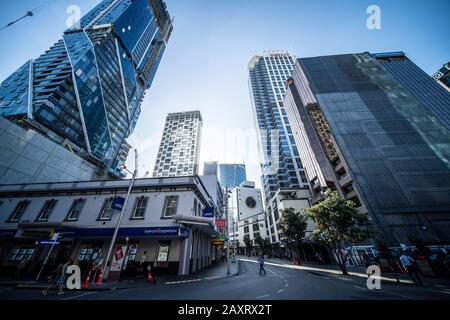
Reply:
x=47, y=210
x=19, y=210
x=162, y=257
x=21, y=253
x=89, y=253
x=170, y=207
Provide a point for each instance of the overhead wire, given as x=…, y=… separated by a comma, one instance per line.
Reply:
x=30, y=13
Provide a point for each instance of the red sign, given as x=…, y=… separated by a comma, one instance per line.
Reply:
x=220, y=223
x=118, y=253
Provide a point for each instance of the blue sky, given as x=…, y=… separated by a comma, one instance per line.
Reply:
x=205, y=64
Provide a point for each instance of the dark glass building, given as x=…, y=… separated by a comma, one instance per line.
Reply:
x=362, y=131
x=85, y=92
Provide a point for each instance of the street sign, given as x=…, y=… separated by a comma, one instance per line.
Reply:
x=117, y=203
x=208, y=212
x=220, y=223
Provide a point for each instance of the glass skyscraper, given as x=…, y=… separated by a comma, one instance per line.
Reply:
x=232, y=175
x=85, y=92
x=280, y=162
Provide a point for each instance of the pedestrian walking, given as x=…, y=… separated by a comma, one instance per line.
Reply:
x=143, y=264
x=261, y=265
x=22, y=265
x=409, y=264
x=58, y=277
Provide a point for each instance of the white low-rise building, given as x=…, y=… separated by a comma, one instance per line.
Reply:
x=163, y=217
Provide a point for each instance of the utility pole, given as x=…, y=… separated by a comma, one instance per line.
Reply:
x=116, y=230
x=227, y=231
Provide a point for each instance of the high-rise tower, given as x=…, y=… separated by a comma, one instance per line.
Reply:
x=85, y=92
x=179, y=151
x=280, y=161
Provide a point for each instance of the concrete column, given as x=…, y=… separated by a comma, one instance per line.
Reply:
x=185, y=246
x=195, y=251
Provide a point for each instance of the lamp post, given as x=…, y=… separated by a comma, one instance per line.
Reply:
x=119, y=221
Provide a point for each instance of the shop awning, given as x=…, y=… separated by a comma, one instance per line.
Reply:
x=200, y=223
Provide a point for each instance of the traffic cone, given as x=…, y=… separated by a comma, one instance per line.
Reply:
x=86, y=282
x=150, y=277
x=99, y=279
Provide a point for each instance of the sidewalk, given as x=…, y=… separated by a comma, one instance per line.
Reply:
x=357, y=271
x=210, y=273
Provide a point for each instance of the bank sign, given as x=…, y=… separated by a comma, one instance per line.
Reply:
x=125, y=232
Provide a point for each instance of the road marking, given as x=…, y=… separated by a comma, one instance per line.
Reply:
x=80, y=295
x=184, y=281
x=271, y=271
x=264, y=296
x=280, y=291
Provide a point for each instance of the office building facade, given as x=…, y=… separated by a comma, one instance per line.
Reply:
x=361, y=131
x=232, y=175
x=85, y=92
x=280, y=162
x=179, y=151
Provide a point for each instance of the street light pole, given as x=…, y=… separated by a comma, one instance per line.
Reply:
x=227, y=231
x=116, y=230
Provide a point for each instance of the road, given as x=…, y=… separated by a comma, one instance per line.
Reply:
x=279, y=283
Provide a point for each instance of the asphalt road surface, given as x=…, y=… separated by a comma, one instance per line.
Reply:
x=279, y=283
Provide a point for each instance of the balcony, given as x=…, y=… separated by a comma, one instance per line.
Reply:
x=345, y=181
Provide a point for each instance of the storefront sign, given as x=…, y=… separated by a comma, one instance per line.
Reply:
x=117, y=203
x=119, y=255
x=220, y=223
x=125, y=232
x=208, y=212
x=8, y=233
x=49, y=242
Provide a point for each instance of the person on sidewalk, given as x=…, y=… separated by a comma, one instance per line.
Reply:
x=22, y=265
x=59, y=278
x=143, y=264
x=409, y=264
x=261, y=265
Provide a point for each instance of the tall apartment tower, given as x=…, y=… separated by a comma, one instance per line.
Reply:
x=231, y=175
x=367, y=132
x=179, y=151
x=280, y=162
x=85, y=92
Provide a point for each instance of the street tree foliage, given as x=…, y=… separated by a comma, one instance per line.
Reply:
x=293, y=227
x=337, y=221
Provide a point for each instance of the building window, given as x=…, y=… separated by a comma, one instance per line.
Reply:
x=256, y=227
x=21, y=253
x=170, y=206
x=246, y=229
x=106, y=212
x=19, y=211
x=195, y=207
x=139, y=208
x=75, y=210
x=46, y=210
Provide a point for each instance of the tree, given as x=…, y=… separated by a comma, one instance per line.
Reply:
x=248, y=243
x=336, y=221
x=293, y=226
